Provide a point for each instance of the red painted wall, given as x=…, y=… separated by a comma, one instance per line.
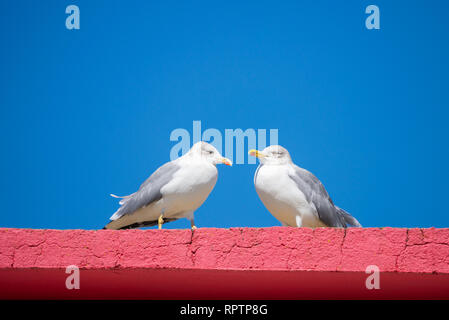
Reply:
x=236, y=263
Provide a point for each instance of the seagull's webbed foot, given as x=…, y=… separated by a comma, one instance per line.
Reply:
x=160, y=221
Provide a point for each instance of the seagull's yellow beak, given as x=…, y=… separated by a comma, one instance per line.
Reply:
x=256, y=153
x=226, y=161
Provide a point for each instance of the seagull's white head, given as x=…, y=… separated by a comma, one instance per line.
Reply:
x=272, y=155
x=207, y=152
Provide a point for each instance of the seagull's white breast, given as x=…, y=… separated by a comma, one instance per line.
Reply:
x=189, y=187
x=282, y=197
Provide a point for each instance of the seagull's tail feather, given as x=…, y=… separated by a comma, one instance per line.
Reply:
x=348, y=218
x=124, y=198
x=119, y=225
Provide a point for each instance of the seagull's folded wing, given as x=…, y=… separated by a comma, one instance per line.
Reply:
x=149, y=191
x=315, y=193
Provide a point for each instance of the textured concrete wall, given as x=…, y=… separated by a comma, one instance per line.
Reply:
x=322, y=253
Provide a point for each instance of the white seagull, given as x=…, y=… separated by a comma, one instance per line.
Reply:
x=173, y=191
x=294, y=195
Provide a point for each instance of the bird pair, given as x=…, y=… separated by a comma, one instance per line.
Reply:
x=293, y=195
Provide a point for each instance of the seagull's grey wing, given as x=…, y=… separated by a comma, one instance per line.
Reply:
x=149, y=191
x=315, y=193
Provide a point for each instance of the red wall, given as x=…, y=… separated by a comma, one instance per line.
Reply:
x=237, y=263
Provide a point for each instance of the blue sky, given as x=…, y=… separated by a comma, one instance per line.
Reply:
x=89, y=112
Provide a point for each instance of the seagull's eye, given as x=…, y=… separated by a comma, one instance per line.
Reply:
x=277, y=153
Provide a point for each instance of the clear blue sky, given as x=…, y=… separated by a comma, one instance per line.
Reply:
x=89, y=112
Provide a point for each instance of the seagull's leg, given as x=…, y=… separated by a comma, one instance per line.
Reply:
x=160, y=221
x=298, y=221
x=191, y=218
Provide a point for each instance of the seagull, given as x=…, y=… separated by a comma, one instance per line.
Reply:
x=294, y=195
x=173, y=191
